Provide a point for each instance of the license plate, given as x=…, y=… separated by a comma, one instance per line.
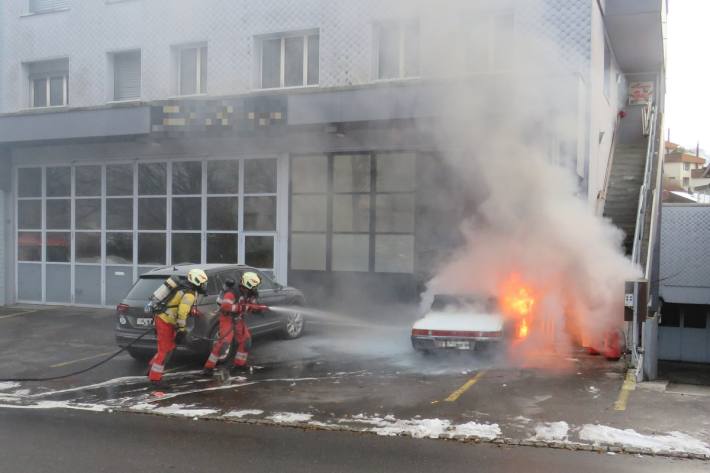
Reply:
x=144, y=321
x=458, y=344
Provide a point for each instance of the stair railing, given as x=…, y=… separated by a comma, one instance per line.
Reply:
x=646, y=187
x=601, y=195
x=647, y=203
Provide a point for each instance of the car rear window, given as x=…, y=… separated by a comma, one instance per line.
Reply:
x=445, y=302
x=144, y=287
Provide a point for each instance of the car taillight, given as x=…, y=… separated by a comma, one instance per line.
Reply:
x=122, y=308
x=419, y=332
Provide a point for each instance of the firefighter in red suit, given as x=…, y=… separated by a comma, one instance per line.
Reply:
x=234, y=306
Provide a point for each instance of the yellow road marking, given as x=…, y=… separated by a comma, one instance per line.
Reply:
x=467, y=385
x=66, y=363
x=15, y=314
x=626, y=388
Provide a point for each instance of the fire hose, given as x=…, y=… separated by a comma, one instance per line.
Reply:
x=241, y=306
x=237, y=311
x=75, y=373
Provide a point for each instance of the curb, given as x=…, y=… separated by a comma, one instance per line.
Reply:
x=500, y=441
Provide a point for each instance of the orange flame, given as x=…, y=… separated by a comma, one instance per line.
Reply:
x=517, y=298
x=523, y=329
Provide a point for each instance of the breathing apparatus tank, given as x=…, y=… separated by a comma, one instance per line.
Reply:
x=162, y=295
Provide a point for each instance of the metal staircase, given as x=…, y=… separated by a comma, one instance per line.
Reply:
x=631, y=200
x=622, y=194
x=628, y=197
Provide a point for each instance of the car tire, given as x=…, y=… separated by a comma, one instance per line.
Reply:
x=227, y=353
x=293, y=325
x=140, y=355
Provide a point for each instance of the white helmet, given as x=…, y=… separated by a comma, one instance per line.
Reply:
x=197, y=277
x=250, y=280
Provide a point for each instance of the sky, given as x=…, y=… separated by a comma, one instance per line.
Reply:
x=688, y=73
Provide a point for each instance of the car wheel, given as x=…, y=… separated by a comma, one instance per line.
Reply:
x=293, y=326
x=227, y=348
x=140, y=355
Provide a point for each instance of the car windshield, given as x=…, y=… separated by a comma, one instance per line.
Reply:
x=452, y=303
x=144, y=287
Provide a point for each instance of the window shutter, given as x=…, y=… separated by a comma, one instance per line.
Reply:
x=47, y=5
x=127, y=76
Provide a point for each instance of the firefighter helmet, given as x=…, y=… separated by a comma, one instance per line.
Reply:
x=250, y=280
x=197, y=277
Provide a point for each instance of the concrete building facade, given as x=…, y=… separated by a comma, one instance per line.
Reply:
x=282, y=134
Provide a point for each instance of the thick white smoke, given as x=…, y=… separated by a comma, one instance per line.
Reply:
x=495, y=133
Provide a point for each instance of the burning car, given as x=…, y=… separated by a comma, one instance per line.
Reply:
x=460, y=322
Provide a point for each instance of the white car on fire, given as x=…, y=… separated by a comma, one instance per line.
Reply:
x=459, y=322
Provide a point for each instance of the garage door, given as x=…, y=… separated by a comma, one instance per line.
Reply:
x=684, y=333
x=85, y=231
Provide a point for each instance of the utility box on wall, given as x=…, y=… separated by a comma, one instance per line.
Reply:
x=636, y=299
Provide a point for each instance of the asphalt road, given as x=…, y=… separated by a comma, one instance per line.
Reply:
x=40, y=441
x=347, y=377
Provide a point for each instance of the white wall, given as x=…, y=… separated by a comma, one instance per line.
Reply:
x=673, y=171
x=603, y=108
x=91, y=29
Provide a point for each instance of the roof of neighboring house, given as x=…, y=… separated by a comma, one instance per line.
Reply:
x=685, y=261
x=677, y=197
x=670, y=145
x=683, y=158
x=699, y=173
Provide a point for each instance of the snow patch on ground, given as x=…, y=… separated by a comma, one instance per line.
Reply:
x=21, y=392
x=183, y=410
x=671, y=442
x=474, y=429
x=551, y=431
x=289, y=417
x=58, y=405
x=142, y=406
x=4, y=386
x=316, y=423
x=417, y=428
x=424, y=428
x=243, y=413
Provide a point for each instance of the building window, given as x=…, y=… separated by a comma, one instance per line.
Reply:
x=353, y=212
x=126, y=75
x=48, y=83
x=290, y=61
x=694, y=316
x=309, y=212
x=489, y=43
x=686, y=166
x=42, y=6
x=123, y=219
x=192, y=70
x=397, y=49
x=686, y=181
